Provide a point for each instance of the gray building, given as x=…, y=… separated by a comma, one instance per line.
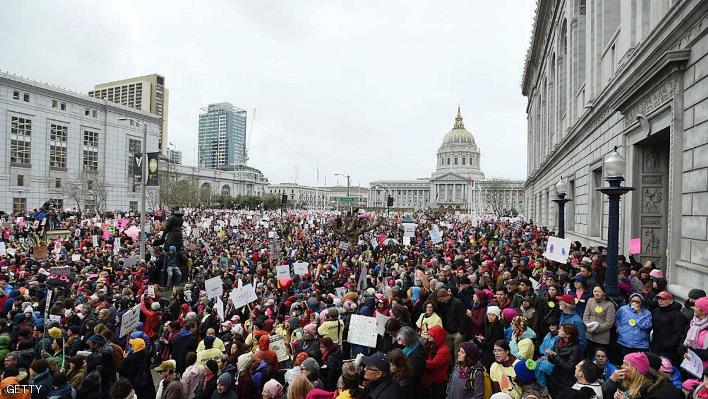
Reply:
x=631, y=74
x=174, y=156
x=222, y=136
x=62, y=145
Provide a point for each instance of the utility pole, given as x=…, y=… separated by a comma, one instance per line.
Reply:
x=348, y=189
x=143, y=174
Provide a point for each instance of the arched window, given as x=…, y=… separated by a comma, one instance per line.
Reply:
x=463, y=160
x=455, y=160
x=226, y=190
x=448, y=161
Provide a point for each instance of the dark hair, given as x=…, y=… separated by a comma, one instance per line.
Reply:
x=121, y=388
x=59, y=379
x=503, y=289
x=189, y=325
x=571, y=330
x=39, y=366
x=403, y=364
x=13, y=372
x=327, y=342
x=191, y=358
x=504, y=345
x=589, y=370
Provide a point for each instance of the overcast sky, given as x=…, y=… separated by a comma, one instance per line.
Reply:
x=366, y=88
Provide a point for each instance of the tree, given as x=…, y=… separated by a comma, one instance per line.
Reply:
x=351, y=227
x=75, y=190
x=87, y=186
x=495, y=194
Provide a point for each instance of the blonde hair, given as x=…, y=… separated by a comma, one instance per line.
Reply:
x=635, y=383
x=299, y=387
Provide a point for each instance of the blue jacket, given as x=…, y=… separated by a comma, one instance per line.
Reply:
x=632, y=328
x=609, y=369
x=576, y=320
x=544, y=368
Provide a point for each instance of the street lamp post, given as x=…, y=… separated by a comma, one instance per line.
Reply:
x=614, y=167
x=143, y=177
x=348, y=186
x=561, y=190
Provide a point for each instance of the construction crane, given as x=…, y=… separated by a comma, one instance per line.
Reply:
x=250, y=134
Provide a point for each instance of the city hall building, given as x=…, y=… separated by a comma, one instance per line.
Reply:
x=632, y=74
x=457, y=183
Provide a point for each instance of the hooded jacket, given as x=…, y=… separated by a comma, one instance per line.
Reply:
x=63, y=392
x=669, y=330
x=266, y=354
x=4, y=346
x=185, y=342
x=524, y=348
x=632, y=327
x=438, y=360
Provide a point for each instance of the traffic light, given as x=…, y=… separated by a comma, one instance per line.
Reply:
x=389, y=201
x=284, y=199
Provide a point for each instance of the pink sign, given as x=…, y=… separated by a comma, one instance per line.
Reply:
x=106, y=234
x=635, y=246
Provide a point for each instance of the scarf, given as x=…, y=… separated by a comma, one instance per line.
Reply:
x=697, y=325
x=408, y=350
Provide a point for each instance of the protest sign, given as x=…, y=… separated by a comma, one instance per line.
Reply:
x=75, y=257
x=151, y=290
x=557, y=249
x=129, y=321
x=435, y=236
x=132, y=261
x=693, y=364
x=340, y=291
x=271, y=234
x=374, y=243
x=277, y=345
x=282, y=271
x=60, y=271
x=300, y=268
x=409, y=229
x=94, y=240
x=11, y=251
x=116, y=245
x=362, y=331
x=343, y=245
x=3, y=251
x=214, y=287
x=381, y=321
x=635, y=246
x=406, y=241
x=219, y=308
x=40, y=253
x=244, y=295
x=55, y=318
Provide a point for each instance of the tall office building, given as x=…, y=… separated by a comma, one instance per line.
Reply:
x=146, y=93
x=175, y=156
x=222, y=136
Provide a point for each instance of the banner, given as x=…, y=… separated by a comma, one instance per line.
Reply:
x=557, y=249
x=136, y=168
x=362, y=331
x=152, y=166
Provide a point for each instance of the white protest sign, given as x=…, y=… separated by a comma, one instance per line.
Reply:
x=409, y=229
x=343, y=245
x=362, y=331
x=49, y=300
x=75, y=257
x=60, y=271
x=435, y=236
x=693, y=364
x=271, y=234
x=3, y=251
x=340, y=291
x=300, y=268
x=282, y=271
x=220, y=308
x=381, y=321
x=534, y=283
x=94, y=240
x=116, y=245
x=55, y=318
x=129, y=321
x=557, y=249
x=243, y=296
x=11, y=251
x=132, y=261
x=151, y=290
x=214, y=287
x=374, y=243
x=406, y=241
x=277, y=345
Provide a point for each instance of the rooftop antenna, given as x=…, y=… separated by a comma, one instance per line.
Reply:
x=249, y=135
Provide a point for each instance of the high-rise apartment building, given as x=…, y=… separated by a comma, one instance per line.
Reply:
x=222, y=136
x=146, y=93
x=175, y=156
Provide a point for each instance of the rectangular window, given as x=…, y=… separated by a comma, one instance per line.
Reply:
x=595, y=217
x=90, y=160
x=89, y=185
x=94, y=113
x=19, y=204
x=464, y=160
x=20, y=180
x=90, y=151
x=57, y=146
x=55, y=103
x=455, y=160
x=87, y=112
x=57, y=183
x=570, y=207
x=133, y=206
x=20, y=140
x=63, y=106
x=89, y=204
x=15, y=94
x=90, y=139
x=26, y=97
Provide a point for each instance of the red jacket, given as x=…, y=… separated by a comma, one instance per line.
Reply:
x=152, y=321
x=438, y=360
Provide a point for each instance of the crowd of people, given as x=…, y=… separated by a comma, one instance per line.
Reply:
x=477, y=313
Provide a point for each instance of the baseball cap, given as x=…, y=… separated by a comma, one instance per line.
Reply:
x=167, y=365
x=665, y=295
x=378, y=360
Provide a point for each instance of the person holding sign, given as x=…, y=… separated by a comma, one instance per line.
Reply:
x=697, y=336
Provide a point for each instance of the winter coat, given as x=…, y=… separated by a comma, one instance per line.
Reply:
x=425, y=323
x=311, y=347
x=386, y=388
x=172, y=388
x=567, y=356
x=153, y=319
x=332, y=369
x=44, y=382
x=523, y=348
x=63, y=392
x=90, y=387
x=580, y=303
x=186, y=342
x=453, y=316
x=577, y=321
x=466, y=383
x=632, y=328
x=12, y=381
x=334, y=329
x=135, y=368
x=603, y=313
x=493, y=332
x=669, y=330
x=191, y=379
x=503, y=375
x=438, y=360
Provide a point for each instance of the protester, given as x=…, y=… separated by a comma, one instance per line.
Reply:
x=380, y=383
x=502, y=372
x=467, y=378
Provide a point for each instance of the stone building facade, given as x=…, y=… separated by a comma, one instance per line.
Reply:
x=631, y=74
x=457, y=183
x=52, y=137
x=299, y=196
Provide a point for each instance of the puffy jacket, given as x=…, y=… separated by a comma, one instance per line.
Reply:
x=632, y=327
x=577, y=321
x=6, y=382
x=603, y=313
x=438, y=361
x=523, y=348
x=669, y=330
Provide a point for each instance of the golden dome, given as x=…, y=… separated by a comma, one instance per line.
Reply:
x=458, y=134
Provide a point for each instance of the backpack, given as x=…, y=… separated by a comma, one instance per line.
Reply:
x=487, y=391
x=117, y=355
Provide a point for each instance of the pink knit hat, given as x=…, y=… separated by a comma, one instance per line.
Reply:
x=310, y=329
x=639, y=361
x=702, y=303
x=666, y=366
x=656, y=273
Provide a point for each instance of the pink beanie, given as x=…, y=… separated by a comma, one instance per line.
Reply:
x=639, y=361
x=702, y=303
x=509, y=314
x=666, y=366
x=310, y=329
x=656, y=273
